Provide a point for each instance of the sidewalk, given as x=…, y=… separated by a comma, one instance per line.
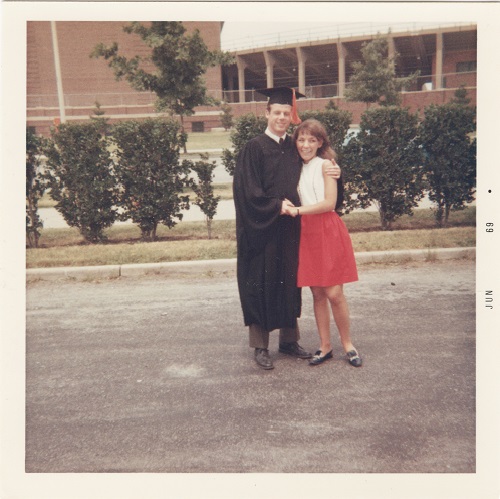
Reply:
x=222, y=266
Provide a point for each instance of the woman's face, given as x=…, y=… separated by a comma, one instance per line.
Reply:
x=308, y=146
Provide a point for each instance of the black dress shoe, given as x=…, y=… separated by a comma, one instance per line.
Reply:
x=354, y=359
x=262, y=358
x=319, y=359
x=294, y=349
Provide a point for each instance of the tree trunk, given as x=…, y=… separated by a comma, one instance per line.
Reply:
x=182, y=130
x=446, y=214
x=384, y=224
x=209, y=227
x=439, y=215
x=32, y=229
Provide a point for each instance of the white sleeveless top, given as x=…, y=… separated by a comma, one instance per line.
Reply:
x=311, y=183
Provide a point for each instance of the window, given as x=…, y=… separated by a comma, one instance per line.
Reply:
x=466, y=66
x=198, y=126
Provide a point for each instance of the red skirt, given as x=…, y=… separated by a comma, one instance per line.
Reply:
x=326, y=257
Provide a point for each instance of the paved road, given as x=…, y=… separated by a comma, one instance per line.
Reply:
x=154, y=375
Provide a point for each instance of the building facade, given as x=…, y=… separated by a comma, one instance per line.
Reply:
x=446, y=58
x=86, y=80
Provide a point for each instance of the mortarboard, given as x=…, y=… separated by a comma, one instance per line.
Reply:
x=283, y=95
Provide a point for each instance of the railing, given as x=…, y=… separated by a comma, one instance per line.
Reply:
x=145, y=99
x=89, y=100
x=321, y=31
x=423, y=83
x=105, y=99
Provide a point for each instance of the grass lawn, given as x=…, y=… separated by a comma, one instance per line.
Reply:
x=208, y=140
x=120, y=253
x=189, y=240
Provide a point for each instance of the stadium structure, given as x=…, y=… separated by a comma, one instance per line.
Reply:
x=65, y=84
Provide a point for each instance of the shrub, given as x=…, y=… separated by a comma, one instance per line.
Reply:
x=34, y=187
x=81, y=179
x=386, y=162
x=226, y=116
x=150, y=176
x=450, y=156
x=247, y=127
x=203, y=188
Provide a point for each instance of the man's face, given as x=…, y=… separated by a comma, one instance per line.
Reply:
x=279, y=118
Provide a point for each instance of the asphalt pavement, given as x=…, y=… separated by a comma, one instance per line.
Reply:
x=153, y=374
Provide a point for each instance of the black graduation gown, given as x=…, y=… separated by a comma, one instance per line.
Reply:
x=268, y=243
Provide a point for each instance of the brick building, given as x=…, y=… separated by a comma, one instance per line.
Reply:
x=86, y=80
x=445, y=56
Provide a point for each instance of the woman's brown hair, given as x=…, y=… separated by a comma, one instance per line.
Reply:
x=316, y=129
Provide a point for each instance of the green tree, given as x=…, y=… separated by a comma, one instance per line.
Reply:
x=460, y=97
x=81, y=178
x=374, y=79
x=226, y=116
x=385, y=162
x=180, y=62
x=98, y=117
x=149, y=173
x=35, y=187
x=203, y=188
x=450, y=155
x=246, y=127
x=331, y=106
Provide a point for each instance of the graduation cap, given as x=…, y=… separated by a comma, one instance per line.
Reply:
x=283, y=95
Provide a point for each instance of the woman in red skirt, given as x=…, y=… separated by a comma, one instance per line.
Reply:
x=326, y=257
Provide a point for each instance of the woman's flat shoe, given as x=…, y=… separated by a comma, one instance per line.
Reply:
x=318, y=359
x=354, y=359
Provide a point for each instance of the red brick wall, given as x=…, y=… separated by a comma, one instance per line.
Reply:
x=450, y=60
x=416, y=101
x=84, y=75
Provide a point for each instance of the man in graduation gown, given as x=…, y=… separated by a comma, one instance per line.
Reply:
x=265, y=192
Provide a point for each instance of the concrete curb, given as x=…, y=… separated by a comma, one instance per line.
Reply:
x=204, y=267
x=429, y=254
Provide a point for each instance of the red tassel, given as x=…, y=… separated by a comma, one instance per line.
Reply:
x=295, y=117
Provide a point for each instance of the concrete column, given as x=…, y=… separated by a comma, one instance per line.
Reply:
x=391, y=47
x=439, y=61
x=391, y=51
x=270, y=63
x=342, y=54
x=302, y=58
x=57, y=64
x=241, y=64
